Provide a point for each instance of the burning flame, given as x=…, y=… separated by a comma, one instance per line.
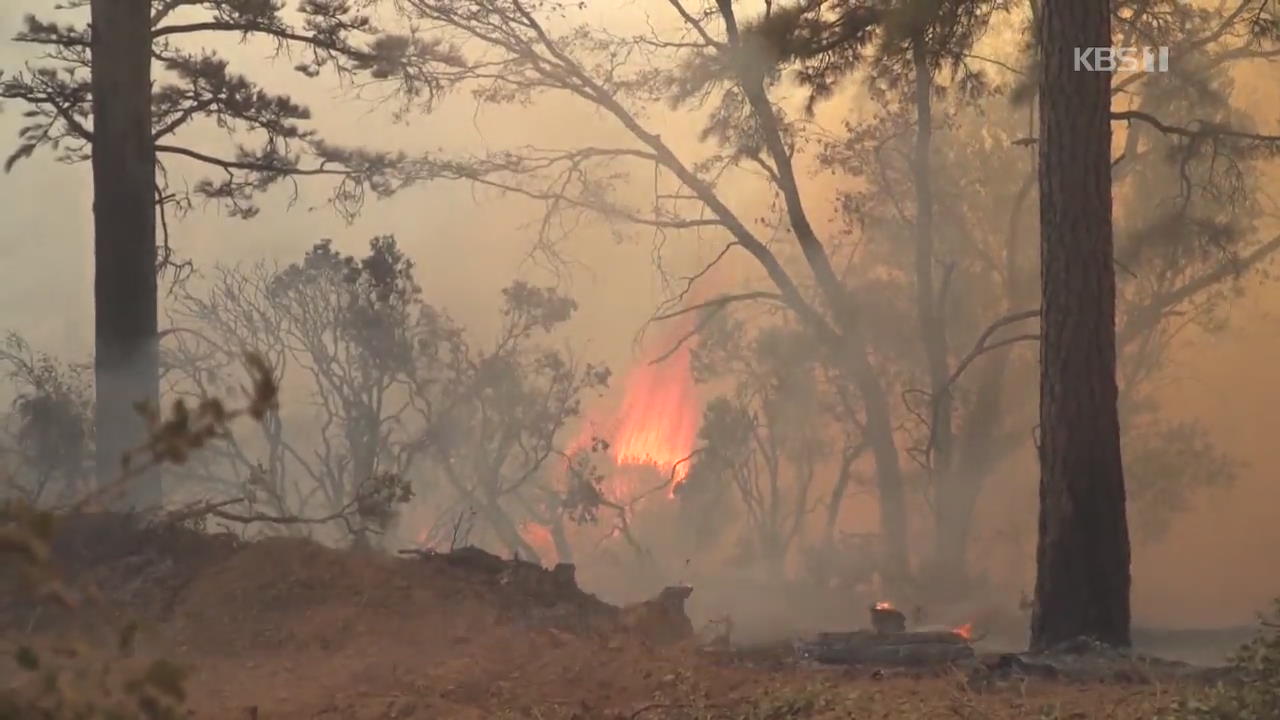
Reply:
x=883, y=605
x=965, y=631
x=656, y=424
x=658, y=421
x=539, y=538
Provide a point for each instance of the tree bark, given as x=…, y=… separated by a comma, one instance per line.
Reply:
x=1082, y=557
x=126, y=355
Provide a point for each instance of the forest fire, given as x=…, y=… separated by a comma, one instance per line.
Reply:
x=658, y=422
x=654, y=430
x=655, y=426
x=885, y=618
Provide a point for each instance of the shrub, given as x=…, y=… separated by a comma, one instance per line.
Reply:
x=1253, y=690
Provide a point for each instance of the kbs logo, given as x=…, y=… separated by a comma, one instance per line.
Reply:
x=1125, y=59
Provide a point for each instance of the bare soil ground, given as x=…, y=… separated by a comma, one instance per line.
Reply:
x=285, y=629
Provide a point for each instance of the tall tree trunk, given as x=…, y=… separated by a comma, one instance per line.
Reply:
x=1082, y=558
x=946, y=571
x=933, y=332
x=895, y=564
x=126, y=351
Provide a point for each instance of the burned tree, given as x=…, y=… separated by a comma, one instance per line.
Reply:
x=1082, y=558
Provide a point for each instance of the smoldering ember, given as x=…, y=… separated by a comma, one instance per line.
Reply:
x=658, y=359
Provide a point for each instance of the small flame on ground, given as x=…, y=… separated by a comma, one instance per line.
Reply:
x=965, y=631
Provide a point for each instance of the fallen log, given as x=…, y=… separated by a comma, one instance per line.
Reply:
x=862, y=638
x=907, y=649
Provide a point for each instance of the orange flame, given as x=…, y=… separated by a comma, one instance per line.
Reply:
x=965, y=631
x=656, y=424
x=884, y=605
x=658, y=421
x=539, y=538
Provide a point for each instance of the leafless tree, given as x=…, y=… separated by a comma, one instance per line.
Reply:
x=396, y=388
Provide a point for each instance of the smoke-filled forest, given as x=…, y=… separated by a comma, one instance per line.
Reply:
x=677, y=359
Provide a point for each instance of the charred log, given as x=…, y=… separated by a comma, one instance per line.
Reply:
x=903, y=649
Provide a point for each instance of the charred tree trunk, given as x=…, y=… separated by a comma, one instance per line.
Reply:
x=1082, y=558
x=126, y=351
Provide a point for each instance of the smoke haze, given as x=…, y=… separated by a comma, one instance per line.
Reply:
x=1214, y=567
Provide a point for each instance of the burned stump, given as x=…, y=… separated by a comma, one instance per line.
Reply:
x=901, y=649
x=887, y=619
x=661, y=620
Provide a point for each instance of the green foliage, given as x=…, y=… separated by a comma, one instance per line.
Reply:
x=196, y=87
x=1253, y=690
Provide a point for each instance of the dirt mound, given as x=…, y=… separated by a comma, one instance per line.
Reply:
x=298, y=630
x=258, y=596
x=343, y=634
x=286, y=629
x=121, y=564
